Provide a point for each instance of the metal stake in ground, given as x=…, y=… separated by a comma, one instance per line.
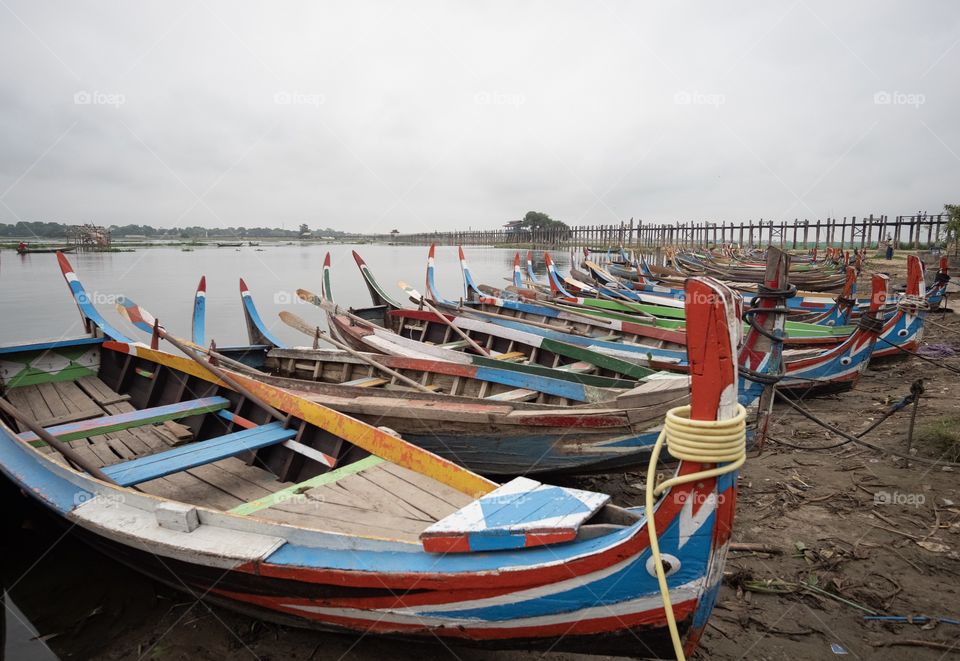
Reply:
x=915, y=390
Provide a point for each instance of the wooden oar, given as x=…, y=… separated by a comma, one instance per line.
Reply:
x=131, y=311
x=332, y=308
x=415, y=295
x=299, y=324
x=142, y=319
x=62, y=447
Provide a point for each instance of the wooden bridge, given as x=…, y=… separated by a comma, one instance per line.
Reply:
x=906, y=232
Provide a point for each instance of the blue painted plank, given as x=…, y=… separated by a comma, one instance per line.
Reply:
x=558, y=387
x=197, y=454
x=95, y=426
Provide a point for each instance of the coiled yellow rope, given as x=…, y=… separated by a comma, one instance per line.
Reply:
x=701, y=441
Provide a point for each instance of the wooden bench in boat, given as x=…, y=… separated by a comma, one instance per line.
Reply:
x=189, y=456
x=137, y=418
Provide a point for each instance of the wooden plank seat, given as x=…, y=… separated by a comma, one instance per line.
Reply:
x=189, y=456
x=136, y=418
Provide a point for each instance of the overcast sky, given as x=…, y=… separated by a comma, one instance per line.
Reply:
x=369, y=116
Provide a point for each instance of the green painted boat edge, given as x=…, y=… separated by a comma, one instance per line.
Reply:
x=132, y=424
x=598, y=359
x=313, y=482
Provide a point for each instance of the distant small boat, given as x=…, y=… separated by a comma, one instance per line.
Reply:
x=253, y=243
x=27, y=251
x=237, y=244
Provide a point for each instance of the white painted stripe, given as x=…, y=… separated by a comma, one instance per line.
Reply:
x=308, y=451
x=642, y=604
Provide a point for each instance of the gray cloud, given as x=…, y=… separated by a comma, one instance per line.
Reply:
x=447, y=115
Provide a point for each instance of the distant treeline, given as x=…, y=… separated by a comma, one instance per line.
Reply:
x=60, y=230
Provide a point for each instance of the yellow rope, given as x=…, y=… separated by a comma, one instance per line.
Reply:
x=700, y=441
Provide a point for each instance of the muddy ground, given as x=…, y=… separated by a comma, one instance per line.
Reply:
x=846, y=532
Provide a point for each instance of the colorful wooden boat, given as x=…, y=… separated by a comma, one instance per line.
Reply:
x=814, y=371
x=492, y=416
x=937, y=291
x=388, y=330
x=798, y=333
x=839, y=367
x=903, y=330
x=319, y=520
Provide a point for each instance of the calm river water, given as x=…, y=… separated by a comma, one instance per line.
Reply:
x=35, y=302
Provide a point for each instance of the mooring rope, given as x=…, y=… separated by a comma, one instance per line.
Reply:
x=698, y=441
x=854, y=439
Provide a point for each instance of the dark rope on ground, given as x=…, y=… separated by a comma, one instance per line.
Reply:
x=916, y=355
x=915, y=392
x=853, y=439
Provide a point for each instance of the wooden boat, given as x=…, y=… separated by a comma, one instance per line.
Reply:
x=40, y=251
x=838, y=368
x=400, y=331
x=493, y=417
x=319, y=520
x=229, y=244
x=815, y=371
x=937, y=291
x=481, y=305
x=798, y=333
x=802, y=302
x=903, y=330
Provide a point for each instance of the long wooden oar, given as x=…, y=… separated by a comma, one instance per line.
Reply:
x=142, y=319
x=332, y=308
x=131, y=311
x=62, y=447
x=301, y=325
x=417, y=296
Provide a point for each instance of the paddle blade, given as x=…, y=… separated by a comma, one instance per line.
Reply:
x=309, y=296
x=298, y=323
x=136, y=315
x=411, y=292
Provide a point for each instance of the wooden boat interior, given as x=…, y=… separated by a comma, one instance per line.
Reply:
x=176, y=435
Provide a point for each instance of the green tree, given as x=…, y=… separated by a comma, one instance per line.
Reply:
x=953, y=226
x=537, y=220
